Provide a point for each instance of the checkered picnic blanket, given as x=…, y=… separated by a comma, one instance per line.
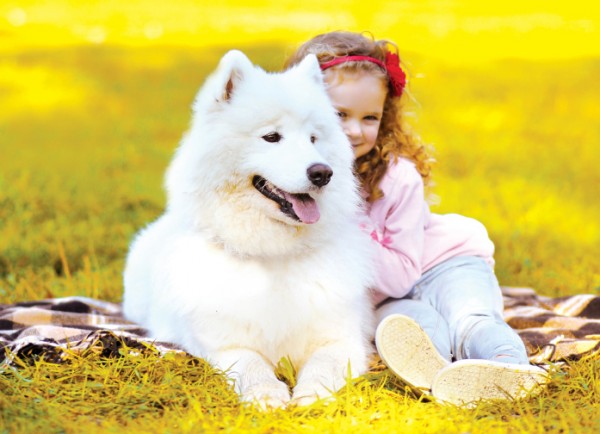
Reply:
x=553, y=329
x=57, y=328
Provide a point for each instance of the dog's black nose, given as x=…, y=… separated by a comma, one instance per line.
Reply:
x=319, y=174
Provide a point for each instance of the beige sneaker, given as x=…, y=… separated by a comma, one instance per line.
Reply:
x=407, y=350
x=471, y=380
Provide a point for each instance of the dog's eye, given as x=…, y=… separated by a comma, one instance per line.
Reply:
x=273, y=137
x=313, y=138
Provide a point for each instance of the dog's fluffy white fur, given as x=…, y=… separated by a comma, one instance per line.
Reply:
x=243, y=279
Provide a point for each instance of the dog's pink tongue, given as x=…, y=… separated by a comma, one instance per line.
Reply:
x=305, y=207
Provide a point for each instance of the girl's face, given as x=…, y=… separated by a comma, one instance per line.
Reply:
x=358, y=98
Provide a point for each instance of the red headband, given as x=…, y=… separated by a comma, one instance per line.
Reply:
x=391, y=66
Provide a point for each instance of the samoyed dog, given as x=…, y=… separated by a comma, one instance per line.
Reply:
x=258, y=255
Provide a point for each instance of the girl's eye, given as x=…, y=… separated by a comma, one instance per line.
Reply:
x=341, y=115
x=313, y=138
x=371, y=118
x=273, y=137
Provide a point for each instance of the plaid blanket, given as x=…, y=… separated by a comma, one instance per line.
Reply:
x=553, y=329
x=56, y=328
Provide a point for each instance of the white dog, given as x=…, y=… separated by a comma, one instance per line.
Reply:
x=258, y=255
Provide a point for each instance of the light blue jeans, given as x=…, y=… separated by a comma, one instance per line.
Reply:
x=458, y=303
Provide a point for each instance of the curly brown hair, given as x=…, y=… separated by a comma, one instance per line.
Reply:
x=394, y=138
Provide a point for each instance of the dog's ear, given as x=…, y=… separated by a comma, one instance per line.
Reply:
x=309, y=67
x=232, y=69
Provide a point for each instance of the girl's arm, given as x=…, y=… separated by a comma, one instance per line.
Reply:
x=398, y=227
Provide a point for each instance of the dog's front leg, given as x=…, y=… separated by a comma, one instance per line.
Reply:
x=327, y=370
x=254, y=377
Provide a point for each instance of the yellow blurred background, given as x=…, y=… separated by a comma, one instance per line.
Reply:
x=461, y=30
x=95, y=95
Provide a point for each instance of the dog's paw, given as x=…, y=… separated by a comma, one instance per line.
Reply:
x=302, y=401
x=267, y=396
x=308, y=394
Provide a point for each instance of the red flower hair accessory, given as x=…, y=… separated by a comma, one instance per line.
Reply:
x=396, y=75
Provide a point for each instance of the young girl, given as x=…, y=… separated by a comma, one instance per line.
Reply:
x=436, y=296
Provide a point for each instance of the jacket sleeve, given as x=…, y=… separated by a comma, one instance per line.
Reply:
x=399, y=233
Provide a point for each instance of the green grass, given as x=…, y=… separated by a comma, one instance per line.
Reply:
x=86, y=133
x=141, y=393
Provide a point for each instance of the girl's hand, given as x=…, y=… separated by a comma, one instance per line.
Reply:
x=367, y=226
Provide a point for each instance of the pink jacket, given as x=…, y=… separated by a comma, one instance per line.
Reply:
x=410, y=239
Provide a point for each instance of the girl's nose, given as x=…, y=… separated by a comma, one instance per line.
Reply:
x=352, y=128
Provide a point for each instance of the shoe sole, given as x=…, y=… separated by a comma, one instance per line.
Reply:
x=408, y=352
x=467, y=382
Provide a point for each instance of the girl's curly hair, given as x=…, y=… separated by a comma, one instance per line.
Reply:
x=395, y=139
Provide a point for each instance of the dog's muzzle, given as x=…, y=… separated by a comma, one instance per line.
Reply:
x=298, y=206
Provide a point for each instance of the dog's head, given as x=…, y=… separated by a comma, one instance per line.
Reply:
x=264, y=146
